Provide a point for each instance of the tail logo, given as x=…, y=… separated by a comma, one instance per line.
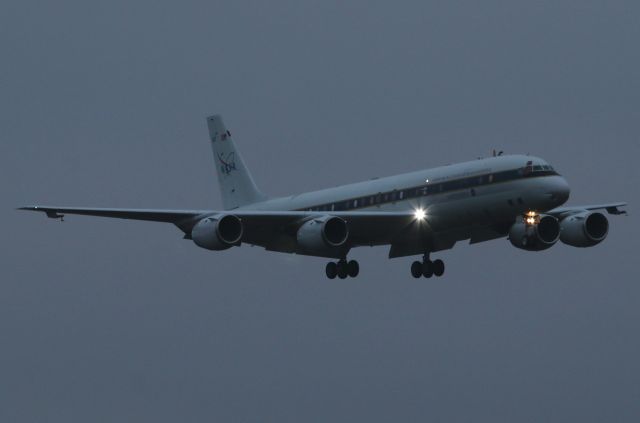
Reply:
x=223, y=136
x=228, y=163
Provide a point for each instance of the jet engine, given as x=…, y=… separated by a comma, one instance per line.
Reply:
x=584, y=229
x=322, y=234
x=217, y=232
x=535, y=232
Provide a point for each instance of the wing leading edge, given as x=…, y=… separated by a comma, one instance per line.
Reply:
x=611, y=208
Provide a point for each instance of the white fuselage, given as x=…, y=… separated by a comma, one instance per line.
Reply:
x=475, y=193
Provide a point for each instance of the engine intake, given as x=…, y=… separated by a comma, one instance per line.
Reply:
x=217, y=232
x=543, y=233
x=584, y=229
x=322, y=234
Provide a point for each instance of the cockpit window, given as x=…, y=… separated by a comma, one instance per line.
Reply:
x=534, y=170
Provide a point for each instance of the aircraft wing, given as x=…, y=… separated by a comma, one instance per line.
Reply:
x=611, y=208
x=275, y=230
x=183, y=219
x=171, y=216
x=266, y=228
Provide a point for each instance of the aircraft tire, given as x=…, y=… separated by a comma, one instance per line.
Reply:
x=353, y=268
x=427, y=269
x=438, y=267
x=331, y=270
x=416, y=269
x=342, y=270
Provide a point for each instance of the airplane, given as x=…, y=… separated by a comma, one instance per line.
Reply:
x=518, y=197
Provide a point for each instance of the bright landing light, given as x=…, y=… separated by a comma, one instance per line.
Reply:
x=420, y=214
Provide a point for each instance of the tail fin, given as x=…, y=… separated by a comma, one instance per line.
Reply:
x=236, y=184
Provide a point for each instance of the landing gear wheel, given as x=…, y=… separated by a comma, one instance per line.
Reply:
x=438, y=267
x=342, y=269
x=427, y=269
x=416, y=269
x=331, y=270
x=353, y=268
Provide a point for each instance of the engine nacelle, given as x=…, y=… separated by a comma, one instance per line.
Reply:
x=217, y=232
x=584, y=229
x=322, y=234
x=535, y=236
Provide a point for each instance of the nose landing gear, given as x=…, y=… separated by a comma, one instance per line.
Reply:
x=342, y=269
x=427, y=268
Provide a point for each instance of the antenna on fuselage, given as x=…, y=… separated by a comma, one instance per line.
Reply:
x=498, y=154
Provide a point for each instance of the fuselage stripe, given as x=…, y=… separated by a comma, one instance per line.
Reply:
x=428, y=189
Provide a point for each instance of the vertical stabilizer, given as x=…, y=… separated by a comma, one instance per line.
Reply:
x=236, y=184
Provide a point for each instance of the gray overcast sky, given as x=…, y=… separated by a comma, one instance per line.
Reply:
x=103, y=104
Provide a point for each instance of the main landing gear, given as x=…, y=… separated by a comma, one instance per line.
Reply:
x=342, y=269
x=427, y=268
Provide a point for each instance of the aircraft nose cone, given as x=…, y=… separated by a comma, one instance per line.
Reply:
x=557, y=191
x=562, y=190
